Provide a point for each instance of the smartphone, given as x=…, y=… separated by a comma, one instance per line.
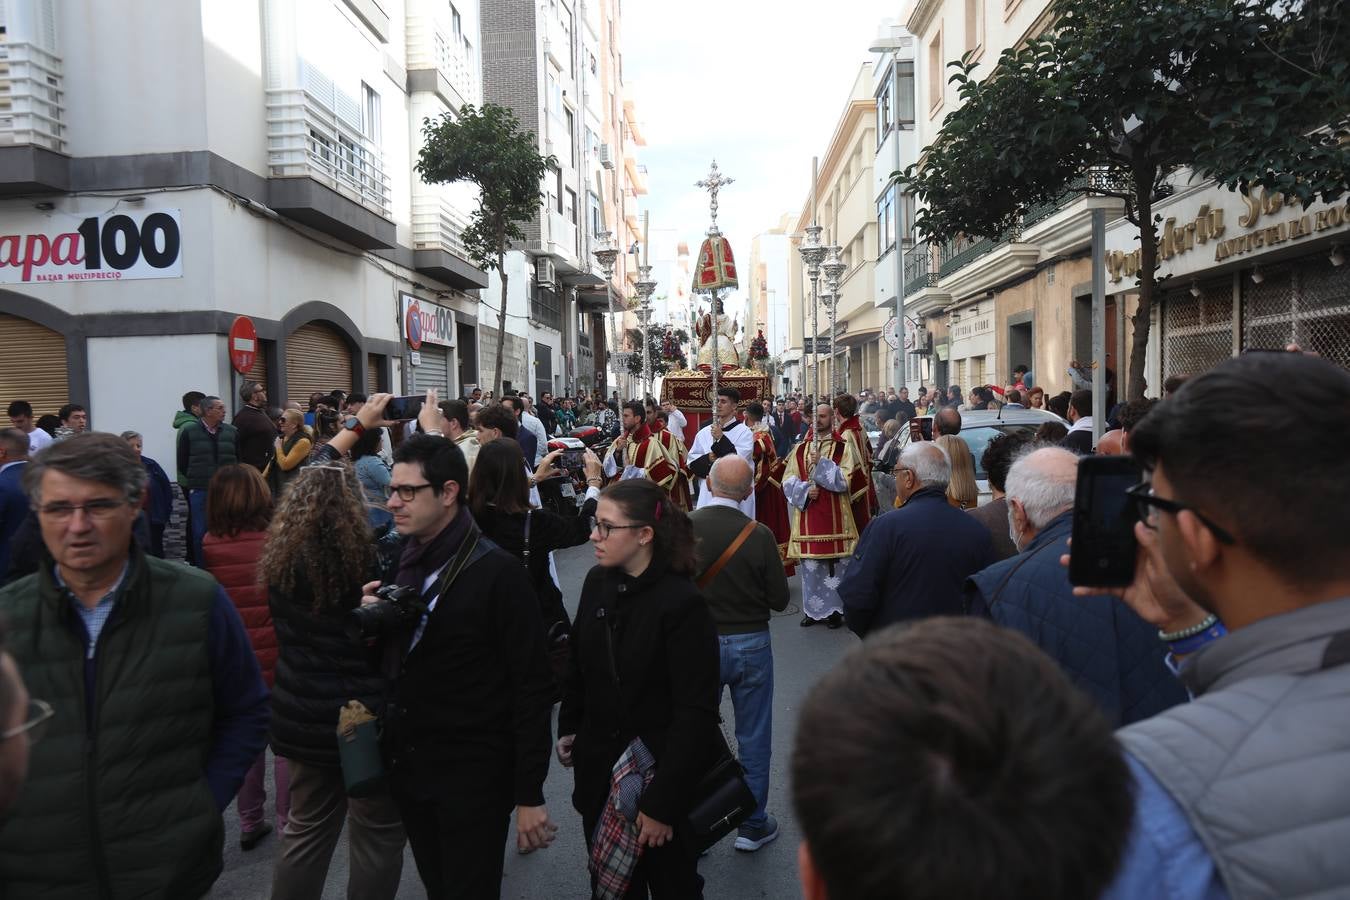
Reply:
x=921, y=429
x=1104, y=549
x=404, y=407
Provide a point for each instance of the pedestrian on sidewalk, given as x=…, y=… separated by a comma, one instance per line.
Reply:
x=238, y=510
x=319, y=552
x=644, y=666
x=203, y=447
x=256, y=429
x=741, y=575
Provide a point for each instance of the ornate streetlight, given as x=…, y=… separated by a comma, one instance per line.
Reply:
x=645, y=287
x=812, y=253
x=606, y=256
x=834, y=268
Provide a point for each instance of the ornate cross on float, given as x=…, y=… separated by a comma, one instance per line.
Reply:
x=712, y=184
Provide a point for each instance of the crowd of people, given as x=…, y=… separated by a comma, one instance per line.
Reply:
x=373, y=606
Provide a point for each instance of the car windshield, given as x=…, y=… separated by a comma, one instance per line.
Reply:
x=979, y=436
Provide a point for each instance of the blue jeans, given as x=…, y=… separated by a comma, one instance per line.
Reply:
x=197, y=506
x=747, y=667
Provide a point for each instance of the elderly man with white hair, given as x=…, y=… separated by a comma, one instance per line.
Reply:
x=913, y=562
x=1104, y=648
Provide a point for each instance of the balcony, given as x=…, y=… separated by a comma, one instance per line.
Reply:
x=562, y=239
x=31, y=97
x=310, y=146
x=919, y=270
x=438, y=245
x=546, y=307
x=437, y=64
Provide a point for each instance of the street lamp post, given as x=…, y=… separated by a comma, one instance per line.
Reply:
x=645, y=287
x=834, y=268
x=812, y=253
x=606, y=254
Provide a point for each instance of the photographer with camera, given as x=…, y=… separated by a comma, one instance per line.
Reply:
x=468, y=727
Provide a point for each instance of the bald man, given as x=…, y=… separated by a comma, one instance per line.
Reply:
x=1112, y=443
x=742, y=578
x=1099, y=642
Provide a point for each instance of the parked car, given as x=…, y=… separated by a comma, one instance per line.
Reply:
x=979, y=427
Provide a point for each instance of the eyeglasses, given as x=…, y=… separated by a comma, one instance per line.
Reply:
x=408, y=492
x=98, y=510
x=606, y=527
x=1147, y=504
x=40, y=713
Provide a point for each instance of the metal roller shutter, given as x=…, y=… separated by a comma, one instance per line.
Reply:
x=374, y=373
x=317, y=359
x=434, y=372
x=259, y=371
x=32, y=365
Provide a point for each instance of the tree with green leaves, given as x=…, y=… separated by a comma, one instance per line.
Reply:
x=658, y=347
x=1118, y=95
x=486, y=148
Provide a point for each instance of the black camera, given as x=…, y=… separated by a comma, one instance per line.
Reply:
x=399, y=607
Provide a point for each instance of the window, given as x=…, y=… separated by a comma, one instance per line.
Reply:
x=594, y=66
x=565, y=19
x=456, y=24
x=558, y=193
x=904, y=93
x=884, y=118
x=935, y=72
x=555, y=103
x=904, y=224
x=370, y=113
x=974, y=25
x=571, y=129
x=886, y=222
x=593, y=204
x=570, y=210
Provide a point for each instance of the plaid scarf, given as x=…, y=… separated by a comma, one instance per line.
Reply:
x=614, y=846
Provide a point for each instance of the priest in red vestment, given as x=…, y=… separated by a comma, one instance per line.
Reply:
x=822, y=475
x=770, y=504
x=637, y=454
x=865, y=504
x=680, y=494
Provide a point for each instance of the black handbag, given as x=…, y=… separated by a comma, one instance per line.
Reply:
x=723, y=801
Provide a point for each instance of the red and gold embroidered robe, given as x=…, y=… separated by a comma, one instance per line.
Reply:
x=771, y=506
x=825, y=528
x=864, y=503
x=680, y=494
x=646, y=452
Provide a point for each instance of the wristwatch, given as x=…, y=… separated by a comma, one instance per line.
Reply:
x=354, y=424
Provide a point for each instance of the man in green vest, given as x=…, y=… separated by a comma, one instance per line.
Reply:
x=159, y=706
x=203, y=447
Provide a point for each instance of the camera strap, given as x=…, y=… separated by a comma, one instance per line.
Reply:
x=459, y=561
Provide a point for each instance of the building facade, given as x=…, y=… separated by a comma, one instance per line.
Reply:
x=981, y=307
x=224, y=162
x=845, y=209
x=557, y=65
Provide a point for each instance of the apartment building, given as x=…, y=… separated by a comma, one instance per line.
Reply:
x=557, y=65
x=983, y=305
x=166, y=168
x=767, y=300
x=846, y=211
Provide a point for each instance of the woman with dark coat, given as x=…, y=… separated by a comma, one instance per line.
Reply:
x=319, y=553
x=238, y=508
x=499, y=498
x=645, y=664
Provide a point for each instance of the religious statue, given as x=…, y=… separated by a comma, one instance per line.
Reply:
x=727, y=352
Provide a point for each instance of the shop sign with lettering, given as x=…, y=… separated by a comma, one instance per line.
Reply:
x=1203, y=228
x=425, y=322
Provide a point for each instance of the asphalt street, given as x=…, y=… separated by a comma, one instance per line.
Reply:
x=801, y=655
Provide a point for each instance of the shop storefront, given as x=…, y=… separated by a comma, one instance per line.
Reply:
x=971, y=346
x=1242, y=273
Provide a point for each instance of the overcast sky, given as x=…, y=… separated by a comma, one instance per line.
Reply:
x=757, y=84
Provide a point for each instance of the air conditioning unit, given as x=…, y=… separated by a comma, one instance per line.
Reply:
x=544, y=271
x=606, y=158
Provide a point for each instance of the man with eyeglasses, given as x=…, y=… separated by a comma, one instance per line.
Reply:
x=1101, y=645
x=468, y=729
x=1245, y=791
x=159, y=706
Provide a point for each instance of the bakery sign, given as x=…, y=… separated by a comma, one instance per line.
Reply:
x=109, y=247
x=1202, y=228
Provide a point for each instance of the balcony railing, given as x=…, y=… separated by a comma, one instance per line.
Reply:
x=306, y=139
x=919, y=271
x=954, y=255
x=437, y=226
x=32, y=99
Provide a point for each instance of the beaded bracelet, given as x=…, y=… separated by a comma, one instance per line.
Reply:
x=1170, y=636
x=1194, y=642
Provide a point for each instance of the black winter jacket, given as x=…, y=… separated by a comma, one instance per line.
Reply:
x=645, y=663
x=548, y=531
x=318, y=670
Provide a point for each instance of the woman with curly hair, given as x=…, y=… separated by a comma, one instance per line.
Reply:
x=645, y=665
x=318, y=555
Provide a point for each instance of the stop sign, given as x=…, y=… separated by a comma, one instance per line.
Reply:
x=243, y=344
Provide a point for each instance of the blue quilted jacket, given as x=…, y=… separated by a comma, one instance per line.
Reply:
x=1099, y=642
